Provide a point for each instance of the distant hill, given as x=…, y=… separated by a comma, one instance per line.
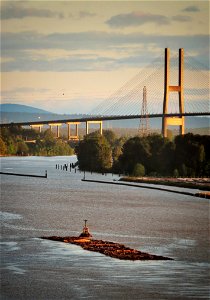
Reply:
x=17, y=113
x=19, y=108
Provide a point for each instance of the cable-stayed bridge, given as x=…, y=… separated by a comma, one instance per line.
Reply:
x=127, y=100
x=170, y=87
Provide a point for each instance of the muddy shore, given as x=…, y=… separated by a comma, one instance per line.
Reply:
x=110, y=249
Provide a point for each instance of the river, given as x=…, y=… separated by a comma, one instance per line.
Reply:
x=157, y=222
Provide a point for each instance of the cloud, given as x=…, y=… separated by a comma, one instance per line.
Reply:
x=180, y=18
x=28, y=50
x=13, y=42
x=13, y=10
x=191, y=8
x=27, y=90
x=81, y=15
x=136, y=19
x=86, y=14
x=70, y=64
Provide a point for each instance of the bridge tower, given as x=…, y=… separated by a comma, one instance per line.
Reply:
x=144, y=120
x=169, y=88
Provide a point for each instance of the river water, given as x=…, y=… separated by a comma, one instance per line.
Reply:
x=157, y=222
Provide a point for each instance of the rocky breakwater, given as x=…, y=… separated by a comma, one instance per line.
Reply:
x=111, y=249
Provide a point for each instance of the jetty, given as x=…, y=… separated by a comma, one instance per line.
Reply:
x=25, y=175
x=111, y=249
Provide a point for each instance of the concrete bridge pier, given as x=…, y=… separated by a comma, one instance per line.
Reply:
x=94, y=122
x=57, y=129
x=76, y=136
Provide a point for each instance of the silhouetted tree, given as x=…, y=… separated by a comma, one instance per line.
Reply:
x=94, y=153
x=135, y=150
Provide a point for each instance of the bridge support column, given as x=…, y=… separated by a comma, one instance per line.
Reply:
x=76, y=136
x=57, y=131
x=57, y=128
x=94, y=122
x=168, y=88
x=69, y=131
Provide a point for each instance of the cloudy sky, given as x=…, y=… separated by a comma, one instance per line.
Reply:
x=66, y=56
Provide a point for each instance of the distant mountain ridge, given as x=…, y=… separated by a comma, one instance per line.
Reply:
x=22, y=113
x=19, y=108
x=17, y=113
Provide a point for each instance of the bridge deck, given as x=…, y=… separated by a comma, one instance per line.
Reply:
x=103, y=118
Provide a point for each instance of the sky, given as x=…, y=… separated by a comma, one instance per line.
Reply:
x=68, y=56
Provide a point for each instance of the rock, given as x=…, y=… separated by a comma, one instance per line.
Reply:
x=110, y=249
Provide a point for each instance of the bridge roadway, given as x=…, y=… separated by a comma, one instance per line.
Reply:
x=102, y=118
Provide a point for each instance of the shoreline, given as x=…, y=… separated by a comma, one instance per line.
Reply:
x=25, y=175
x=192, y=183
x=200, y=194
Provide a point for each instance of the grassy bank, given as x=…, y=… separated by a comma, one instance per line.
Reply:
x=192, y=183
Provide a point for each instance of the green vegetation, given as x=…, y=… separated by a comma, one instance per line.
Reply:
x=15, y=141
x=94, y=153
x=139, y=170
x=100, y=153
x=188, y=155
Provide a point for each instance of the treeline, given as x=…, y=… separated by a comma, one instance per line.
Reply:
x=13, y=141
x=187, y=155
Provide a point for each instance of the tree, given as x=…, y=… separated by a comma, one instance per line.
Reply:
x=135, y=150
x=3, y=147
x=167, y=158
x=110, y=137
x=176, y=173
x=62, y=148
x=117, y=148
x=161, y=154
x=22, y=148
x=183, y=170
x=94, y=153
x=47, y=142
x=139, y=170
x=11, y=146
x=190, y=151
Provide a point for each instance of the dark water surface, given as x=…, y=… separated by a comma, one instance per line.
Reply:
x=153, y=221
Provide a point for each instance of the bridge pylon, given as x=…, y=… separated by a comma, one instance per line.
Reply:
x=169, y=88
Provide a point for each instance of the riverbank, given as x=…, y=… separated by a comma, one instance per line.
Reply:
x=139, y=186
x=192, y=183
x=107, y=248
x=204, y=194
